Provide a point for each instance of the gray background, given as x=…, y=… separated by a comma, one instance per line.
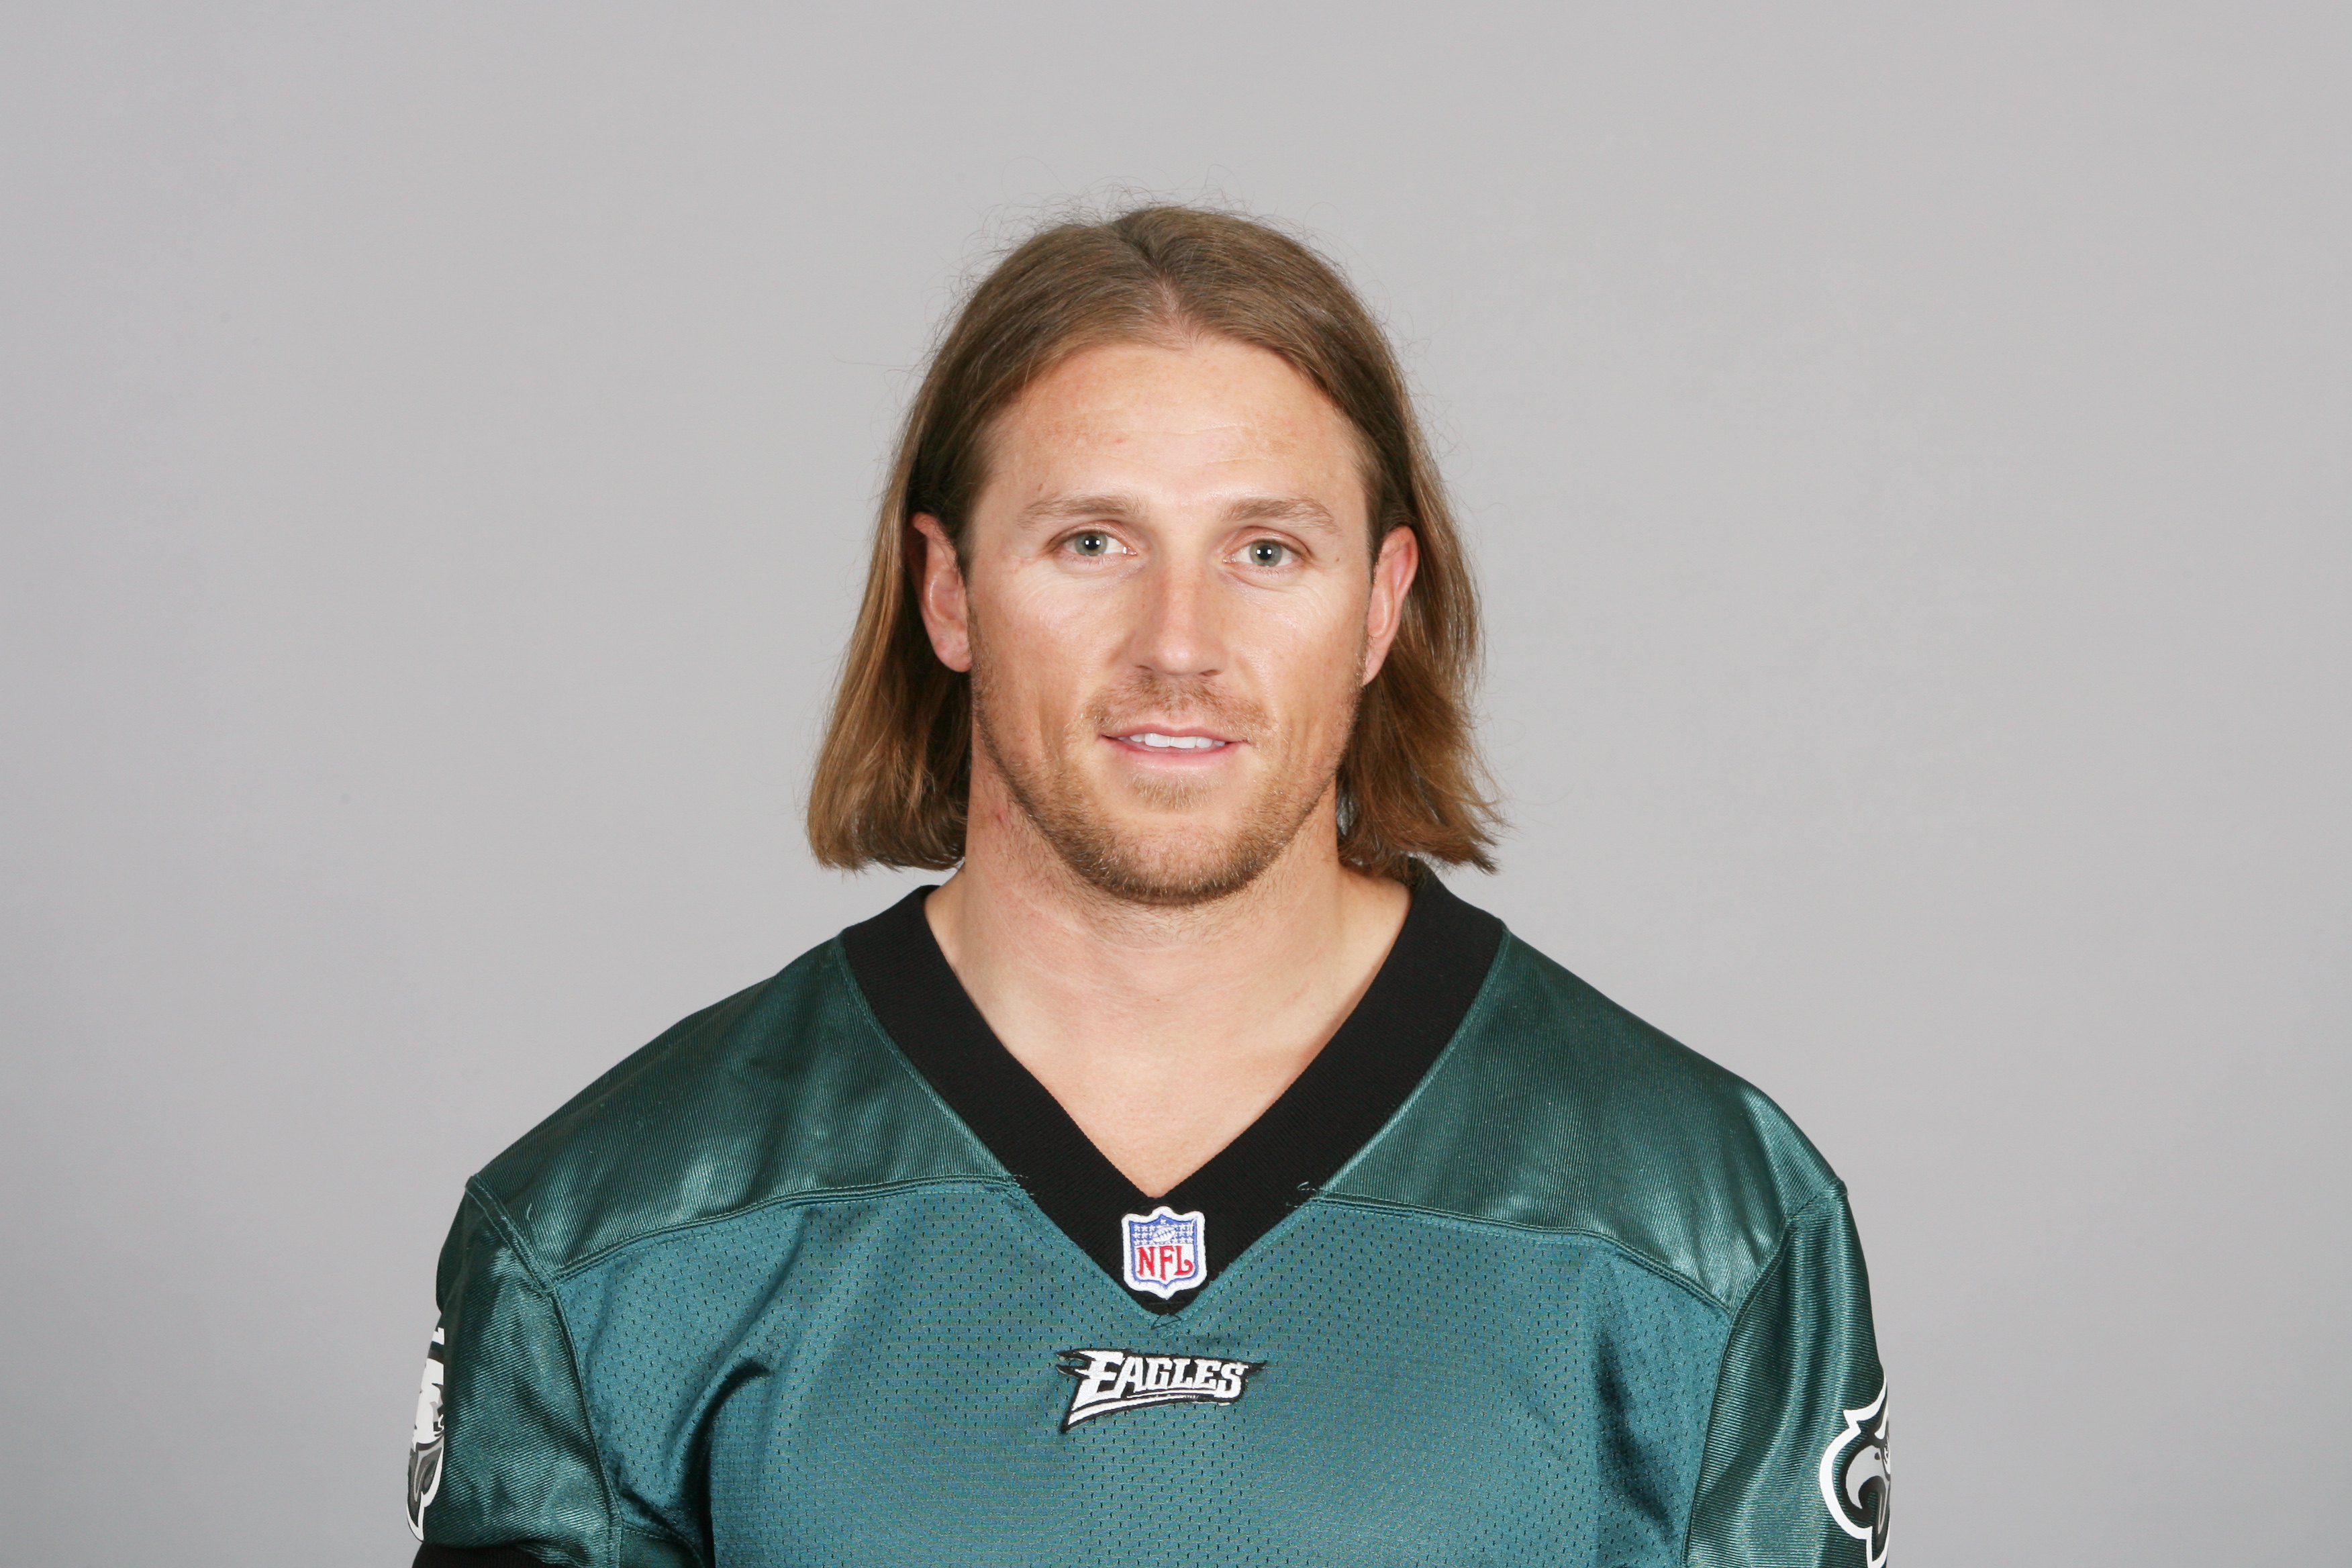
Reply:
x=1907, y=452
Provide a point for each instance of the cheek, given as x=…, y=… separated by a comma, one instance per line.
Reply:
x=1041, y=648
x=1052, y=616
x=1309, y=654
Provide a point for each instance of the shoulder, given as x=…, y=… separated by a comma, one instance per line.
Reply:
x=1555, y=1109
x=786, y=1089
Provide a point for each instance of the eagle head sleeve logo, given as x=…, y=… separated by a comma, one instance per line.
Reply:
x=424, y=1442
x=1857, y=1479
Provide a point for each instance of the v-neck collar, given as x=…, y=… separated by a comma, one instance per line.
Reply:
x=1345, y=1095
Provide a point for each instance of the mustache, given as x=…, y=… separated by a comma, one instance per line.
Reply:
x=1177, y=700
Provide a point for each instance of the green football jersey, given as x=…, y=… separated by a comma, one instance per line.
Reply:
x=824, y=1275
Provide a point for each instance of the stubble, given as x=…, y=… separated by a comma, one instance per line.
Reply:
x=1177, y=863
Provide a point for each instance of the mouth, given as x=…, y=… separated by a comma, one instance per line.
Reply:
x=1172, y=742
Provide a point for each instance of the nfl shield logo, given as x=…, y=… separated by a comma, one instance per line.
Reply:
x=1166, y=1251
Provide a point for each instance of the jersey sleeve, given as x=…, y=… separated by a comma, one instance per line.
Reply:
x=515, y=1479
x=1794, y=1474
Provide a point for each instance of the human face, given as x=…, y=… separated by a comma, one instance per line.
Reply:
x=1168, y=603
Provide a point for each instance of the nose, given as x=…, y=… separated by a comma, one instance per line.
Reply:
x=1178, y=629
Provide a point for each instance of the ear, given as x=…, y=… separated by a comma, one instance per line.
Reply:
x=946, y=609
x=1393, y=574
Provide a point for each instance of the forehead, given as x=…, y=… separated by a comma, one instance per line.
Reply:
x=1207, y=416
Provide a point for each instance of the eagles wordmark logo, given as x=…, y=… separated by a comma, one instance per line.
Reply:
x=1112, y=1381
x=1164, y=1251
x=425, y=1445
x=1857, y=1478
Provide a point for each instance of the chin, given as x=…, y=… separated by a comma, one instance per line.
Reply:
x=1193, y=865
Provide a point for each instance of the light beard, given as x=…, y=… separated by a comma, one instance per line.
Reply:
x=1189, y=867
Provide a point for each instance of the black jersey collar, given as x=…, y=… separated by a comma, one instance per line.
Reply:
x=1347, y=1093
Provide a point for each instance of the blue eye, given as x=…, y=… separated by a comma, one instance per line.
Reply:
x=1268, y=553
x=1091, y=544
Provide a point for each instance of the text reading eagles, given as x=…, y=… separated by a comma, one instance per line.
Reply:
x=1111, y=1381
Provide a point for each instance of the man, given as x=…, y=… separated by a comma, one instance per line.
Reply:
x=1193, y=1178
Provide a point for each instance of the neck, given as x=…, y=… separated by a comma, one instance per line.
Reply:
x=1164, y=1031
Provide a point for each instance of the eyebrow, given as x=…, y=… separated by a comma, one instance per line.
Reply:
x=1302, y=509
x=1068, y=508
x=1282, y=509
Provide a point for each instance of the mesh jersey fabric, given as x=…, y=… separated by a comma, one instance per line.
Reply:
x=758, y=1297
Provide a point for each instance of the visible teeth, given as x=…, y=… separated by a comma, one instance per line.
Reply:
x=1154, y=739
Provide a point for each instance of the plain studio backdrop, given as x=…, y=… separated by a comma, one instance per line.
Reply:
x=1906, y=451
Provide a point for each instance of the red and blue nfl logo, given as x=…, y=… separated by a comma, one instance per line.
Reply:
x=1166, y=1251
